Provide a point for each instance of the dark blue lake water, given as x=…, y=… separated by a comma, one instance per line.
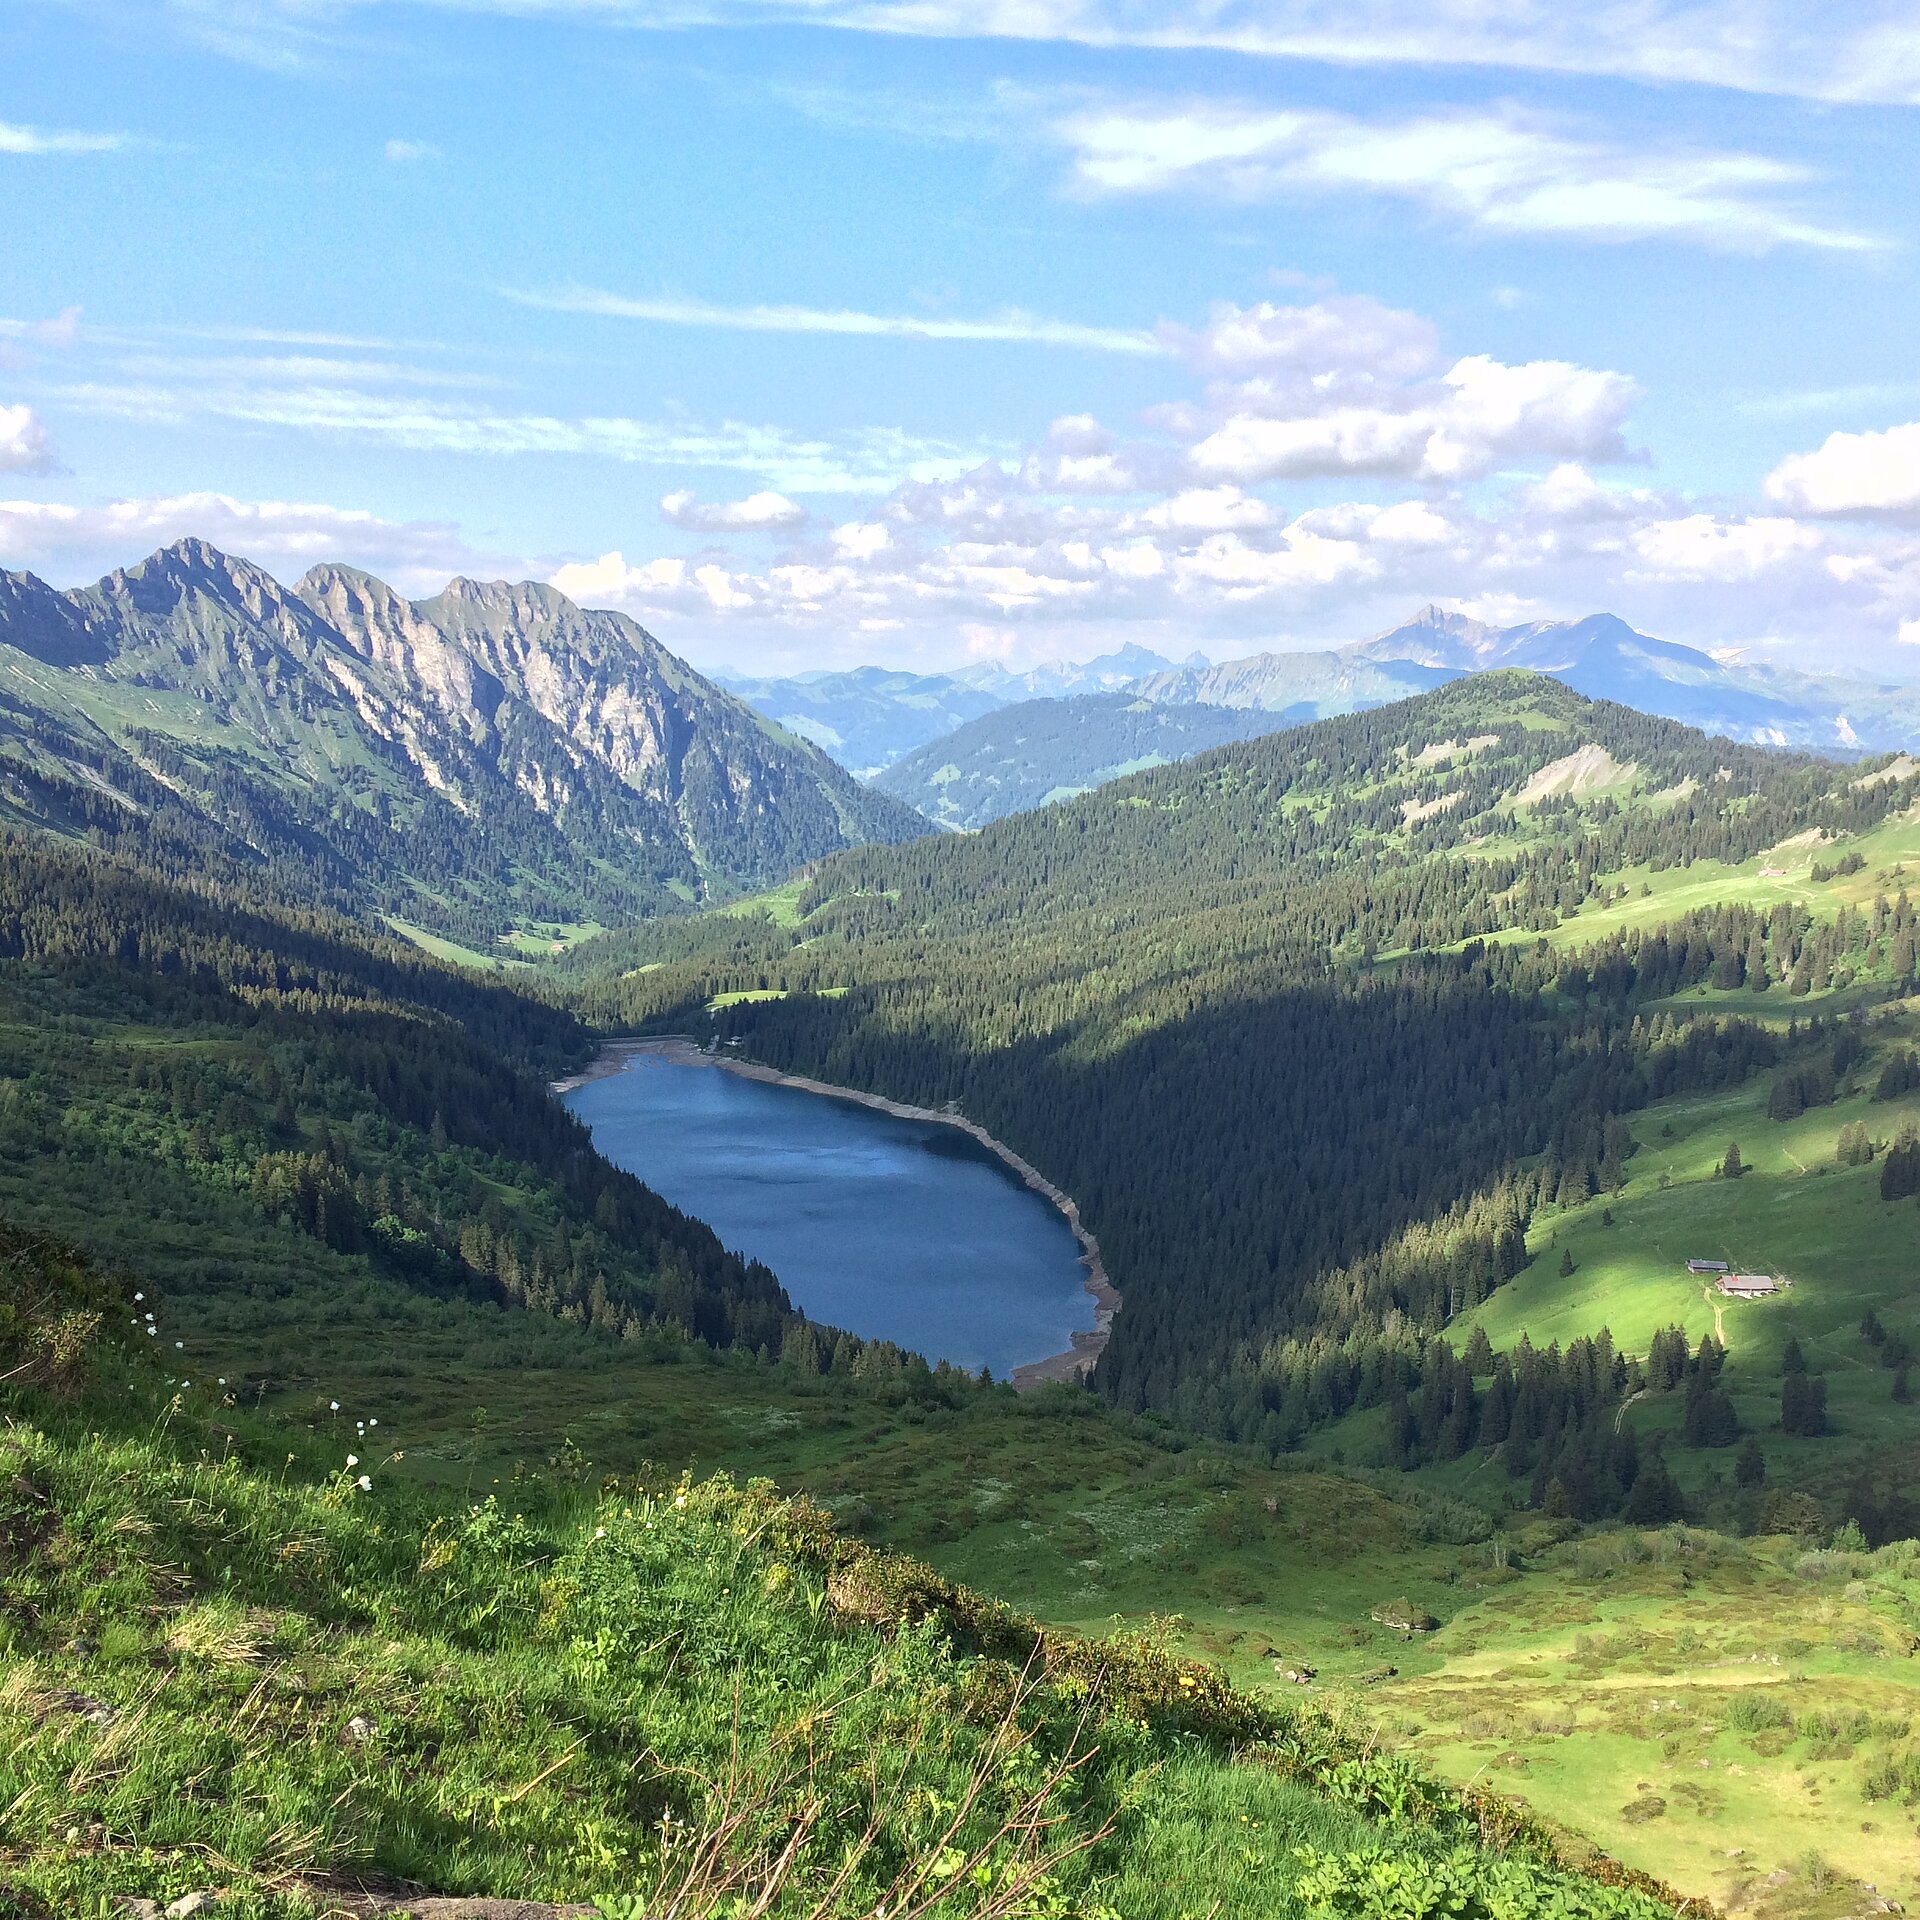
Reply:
x=897, y=1229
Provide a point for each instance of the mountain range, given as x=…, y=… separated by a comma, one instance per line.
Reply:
x=491, y=758
x=1039, y=751
x=1600, y=656
x=869, y=717
x=1010, y=757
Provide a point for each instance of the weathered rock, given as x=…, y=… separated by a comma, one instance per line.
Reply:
x=359, y=1730
x=190, y=1904
x=65, y=1700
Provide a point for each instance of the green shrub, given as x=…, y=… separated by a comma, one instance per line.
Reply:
x=1755, y=1711
x=1461, y=1885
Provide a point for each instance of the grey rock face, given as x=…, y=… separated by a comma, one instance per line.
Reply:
x=492, y=755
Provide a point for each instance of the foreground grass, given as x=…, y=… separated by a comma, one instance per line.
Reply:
x=228, y=1665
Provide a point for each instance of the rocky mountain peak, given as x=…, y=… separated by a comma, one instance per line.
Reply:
x=192, y=569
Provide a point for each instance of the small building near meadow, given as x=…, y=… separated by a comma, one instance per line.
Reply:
x=1748, y=1286
x=1709, y=1266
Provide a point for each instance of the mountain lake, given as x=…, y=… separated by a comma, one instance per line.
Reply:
x=902, y=1230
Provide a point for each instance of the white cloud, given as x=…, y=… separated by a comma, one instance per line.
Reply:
x=288, y=535
x=1870, y=475
x=861, y=540
x=35, y=140
x=1033, y=329
x=1570, y=492
x=1502, y=172
x=1079, y=434
x=1318, y=470
x=1704, y=546
x=1346, y=339
x=60, y=332
x=1479, y=413
x=758, y=513
x=611, y=582
x=1870, y=51
x=1220, y=509
x=1546, y=407
x=25, y=446
x=1355, y=440
x=406, y=152
x=868, y=461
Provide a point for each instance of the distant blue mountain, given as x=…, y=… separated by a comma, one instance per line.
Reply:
x=868, y=717
x=1604, y=658
x=971, y=745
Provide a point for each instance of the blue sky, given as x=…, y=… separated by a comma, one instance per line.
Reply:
x=819, y=331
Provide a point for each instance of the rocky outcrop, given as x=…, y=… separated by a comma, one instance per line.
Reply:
x=492, y=755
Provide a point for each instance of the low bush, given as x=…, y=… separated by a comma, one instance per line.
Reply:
x=1462, y=1885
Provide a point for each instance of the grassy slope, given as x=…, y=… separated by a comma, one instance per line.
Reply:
x=1070, y=1515
x=572, y=1693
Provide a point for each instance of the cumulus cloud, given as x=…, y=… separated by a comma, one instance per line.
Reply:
x=25, y=446
x=1869, y=475
x=1214, y=526
x=1502, y=172
x=1316, y=470
x=1348, y=339
x=1222, y=509
x=861, y=539
x=1350, y=387
x=1705, y=546
x=758, y=512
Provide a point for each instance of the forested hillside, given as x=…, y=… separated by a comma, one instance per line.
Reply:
x=258, y=1110
x=1255, y=1011
x=490, y=759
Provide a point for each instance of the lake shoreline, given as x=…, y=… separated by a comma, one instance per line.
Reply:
x=1087, y=1346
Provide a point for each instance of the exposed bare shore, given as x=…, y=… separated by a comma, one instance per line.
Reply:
x=1087, y=1347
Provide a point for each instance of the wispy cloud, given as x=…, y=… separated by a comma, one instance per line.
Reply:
x=861, y=461
x=1032, y=329
x=1867, y=52
x=38, y=140
x=407, y=152
x=301, y=368
x=1501, y=172
x=284, y=337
